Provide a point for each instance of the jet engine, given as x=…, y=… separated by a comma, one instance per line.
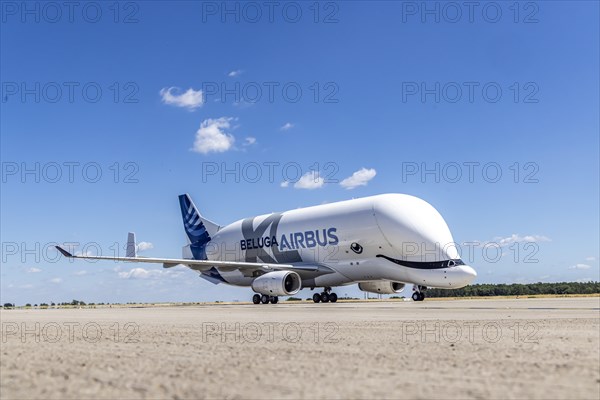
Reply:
x=382, y=287
x=277, y=283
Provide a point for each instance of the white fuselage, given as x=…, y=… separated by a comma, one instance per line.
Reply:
x=391, y=237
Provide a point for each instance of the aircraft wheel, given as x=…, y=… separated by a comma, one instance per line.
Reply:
x=332, y=297
x=256, y=298
x=264, y=299
x=421, y=296
x=317, y=298
x=274, y=299
x=416, y=296
x=324, y=297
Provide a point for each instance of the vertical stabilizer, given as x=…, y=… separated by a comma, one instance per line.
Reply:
x=198, y=229
x=131, y=249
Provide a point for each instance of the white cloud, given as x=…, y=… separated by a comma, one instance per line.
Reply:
x=235, y=73
x=516, y=238
x=139, y=273
x=26, y=286
x=56, y=280
x=142, y=273
x=287, y=126
x=310, y=180
x=284, y=184
x=249, y=141
x=359, y=178
x=86, y=252
x=80, y=273
x=242, y=104
x=33, y=270
x=143, y=246
x=580, y=266
x=212, y=137
x=591, y=258
x=190, y=99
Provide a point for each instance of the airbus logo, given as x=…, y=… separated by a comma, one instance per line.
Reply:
x=257, y=238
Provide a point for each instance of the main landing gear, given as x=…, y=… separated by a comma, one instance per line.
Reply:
x=264, y=299
x=418, y=294
x=325, y=297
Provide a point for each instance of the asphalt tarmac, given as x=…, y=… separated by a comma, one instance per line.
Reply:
x=450, y=349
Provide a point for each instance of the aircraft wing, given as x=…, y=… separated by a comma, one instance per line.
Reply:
x=200, y=265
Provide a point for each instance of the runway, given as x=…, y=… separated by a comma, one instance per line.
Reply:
x=450, y=349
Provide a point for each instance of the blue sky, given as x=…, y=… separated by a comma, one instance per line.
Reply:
x=155, y=95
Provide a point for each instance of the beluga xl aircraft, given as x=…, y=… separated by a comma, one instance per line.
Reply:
x=381, y=242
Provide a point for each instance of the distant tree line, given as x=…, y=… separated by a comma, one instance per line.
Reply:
x=517, y=289
x=52, y=304
x=484, y=289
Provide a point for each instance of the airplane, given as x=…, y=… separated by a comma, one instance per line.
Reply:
x=381, y=242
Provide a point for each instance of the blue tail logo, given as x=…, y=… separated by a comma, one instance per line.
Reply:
x=192, y=223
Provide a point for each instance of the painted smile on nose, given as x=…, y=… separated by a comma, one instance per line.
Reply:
x=458, y=273
x=427, y=264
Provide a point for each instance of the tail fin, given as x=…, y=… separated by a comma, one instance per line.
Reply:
x=198, y=229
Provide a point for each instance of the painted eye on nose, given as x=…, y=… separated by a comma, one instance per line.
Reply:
x=357, y=248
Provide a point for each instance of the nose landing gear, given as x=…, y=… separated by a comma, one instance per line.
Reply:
x=416, y=296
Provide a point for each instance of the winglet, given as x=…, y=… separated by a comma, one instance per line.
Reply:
x=64, y=252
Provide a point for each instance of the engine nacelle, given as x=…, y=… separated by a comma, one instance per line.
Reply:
x=382, y=287
x=277, y=283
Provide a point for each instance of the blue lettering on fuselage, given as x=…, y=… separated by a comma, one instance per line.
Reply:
x=294, y=240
